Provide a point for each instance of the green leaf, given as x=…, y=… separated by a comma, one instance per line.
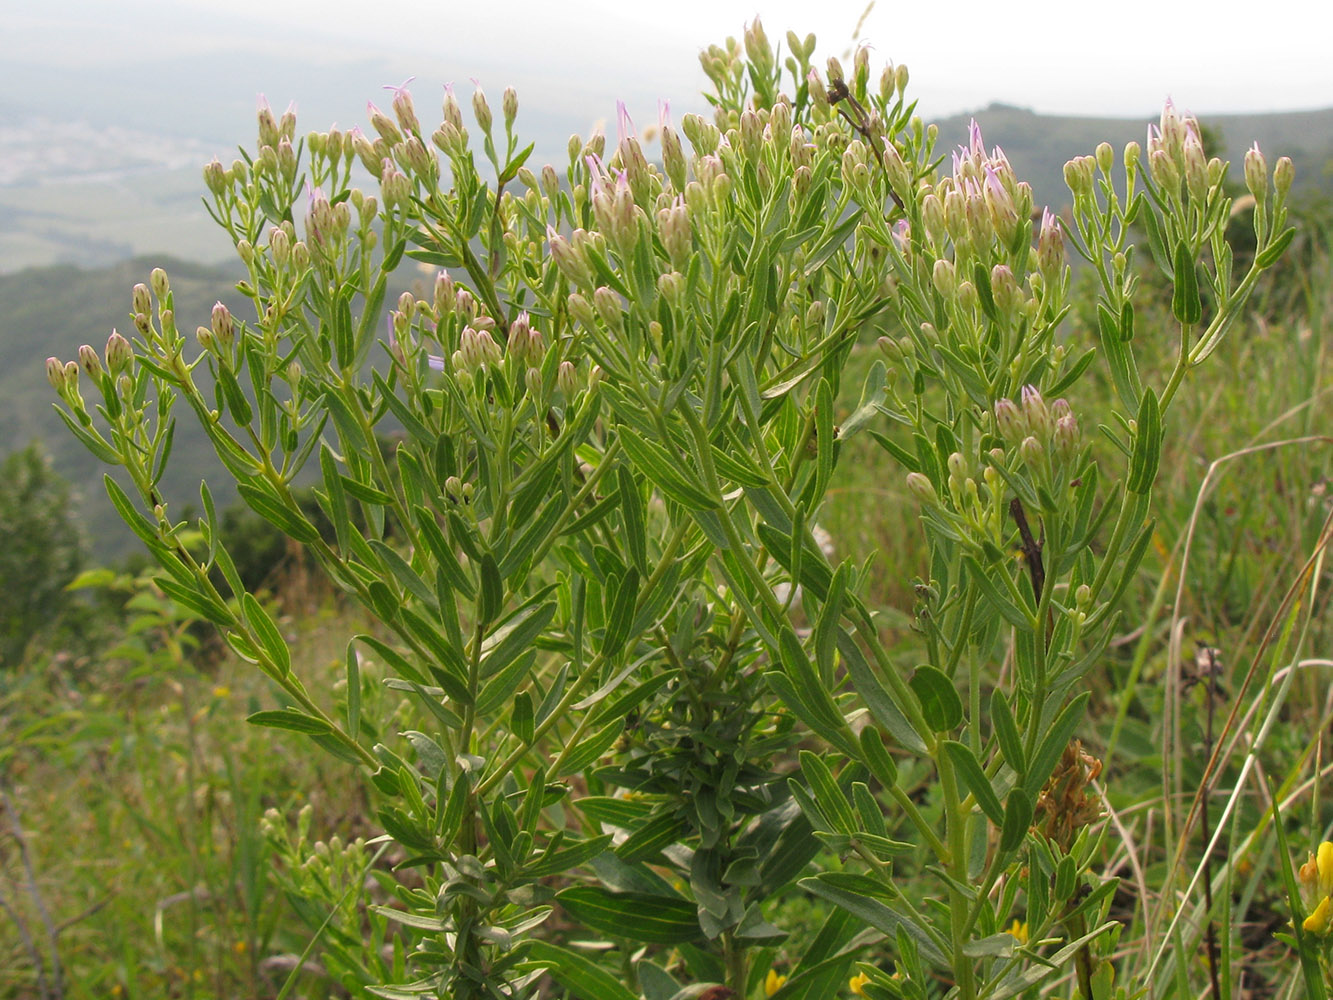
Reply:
x=193, y=600
x=266, y=631
x=828, y=796
x=499, y=689
x=877, y=758
x=632, y=514
x=521, y=718
x=558, y=862
x=289, y=719
x=1006, y=732
x=1017, y=820
x=1119, y=358
x=581, y=977
x=290, y=522
x=1053, y=744
x=648, y=840
x=620, y=615
x=637, y=916
x=353, y=692
x=590, y=749
x=492, y=590
x=1147, y=445
x=877, y=697
x=515, y=636
x=667, y=472
x=974, y=778
x=850, y=894
x=1275, y=249
x=443, y=553
x=940, y=704
x=1186, y=305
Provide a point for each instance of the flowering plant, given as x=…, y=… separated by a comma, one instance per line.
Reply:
x=590, y=550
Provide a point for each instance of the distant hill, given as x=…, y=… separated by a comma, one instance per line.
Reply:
x=1038, y=145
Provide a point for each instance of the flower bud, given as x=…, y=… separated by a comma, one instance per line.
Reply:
x=608, y=307
x=509, y=106
x=222, y=326
x=1066, y=435
x=1004, y=288
x=1008, y=420
x=566, y=379
x=481, y=110
x=1036, y=415
x=1031, y=452
x=1283, y=175
x=945, y=278
x=452, y=115
x=142, y=303
x=1050, y=247
x=1196, y=167
x=1105, y=158
x=384, y=125
x=161, y=286
x=580, y=309
x=215, y=176
x=671, y=286
x=532, y=381
x=1164, y=171
x=55, y=374
x=488, y=350
x=921, y=487
x=72, y=376
x=119, y=354
x=1083, y=597
x=569, y=259
x=900, y=78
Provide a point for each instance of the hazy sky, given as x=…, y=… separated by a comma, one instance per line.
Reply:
x=1116, y=57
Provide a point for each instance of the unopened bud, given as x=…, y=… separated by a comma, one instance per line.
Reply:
x=1283, y=175
x=55, y=374
x=119, y=354
x=1008, y=420
x=142, y=303
x=1065, y=436
x=383, y=124
x=566, y=379
x=1008, y=296
x=161, y=286
x=1031, y=452
x=509, y=106
x=222, y=325
x=608, y=307
x=481, y=110
x=1036, y=415
x=1105, y=158
x=581, y=309
x=920, y=486
x=945, y=278
x=215, y=176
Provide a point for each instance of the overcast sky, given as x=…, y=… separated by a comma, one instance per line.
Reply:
x=1113, y=58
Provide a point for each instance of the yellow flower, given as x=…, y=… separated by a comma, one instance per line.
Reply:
x=1324, y=865
x=857, y=984
x=1019, y=929
x=773, y=982
x=1319, y=921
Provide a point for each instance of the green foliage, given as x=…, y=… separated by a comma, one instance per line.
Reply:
x=590, y=563
x=41, y=549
